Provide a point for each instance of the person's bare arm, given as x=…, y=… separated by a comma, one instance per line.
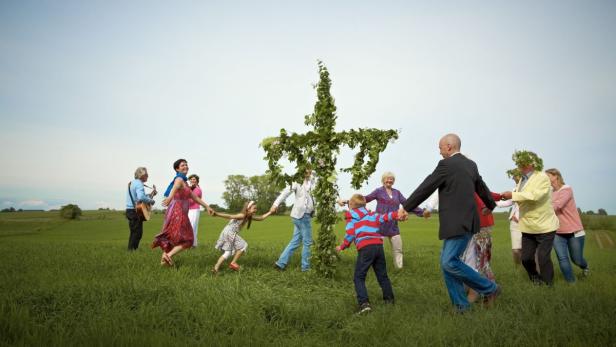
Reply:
x=228, y=216
x=262, y=217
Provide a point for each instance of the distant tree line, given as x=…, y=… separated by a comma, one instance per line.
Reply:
x=600, y=212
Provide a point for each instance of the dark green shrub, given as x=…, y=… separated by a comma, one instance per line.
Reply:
x=70, y=211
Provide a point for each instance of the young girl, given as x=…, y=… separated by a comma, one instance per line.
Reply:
x=229, y=241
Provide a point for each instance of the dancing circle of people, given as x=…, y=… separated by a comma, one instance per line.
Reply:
x=543, y=216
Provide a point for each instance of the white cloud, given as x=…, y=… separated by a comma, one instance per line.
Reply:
x=32, y=203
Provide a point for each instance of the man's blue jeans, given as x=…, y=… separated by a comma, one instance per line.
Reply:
x=302, y=234
x=565, y=245
x=457, y=274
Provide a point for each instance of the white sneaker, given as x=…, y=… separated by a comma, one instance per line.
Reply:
x=364, y=308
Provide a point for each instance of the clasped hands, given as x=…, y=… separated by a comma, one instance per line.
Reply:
x=402, y=214
x=506, y=195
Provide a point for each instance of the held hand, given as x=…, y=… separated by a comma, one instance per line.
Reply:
x=341, y=202
x=426, y=213
x=485, y=211
x=273, y=209
x=506, y=195
x=338, y=249
x=402, y=214
x=210, y=211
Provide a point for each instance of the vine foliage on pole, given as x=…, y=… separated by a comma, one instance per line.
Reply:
x=317, y=149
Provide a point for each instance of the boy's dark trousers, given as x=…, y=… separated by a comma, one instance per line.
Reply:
x=371, y=255
x=135, y=224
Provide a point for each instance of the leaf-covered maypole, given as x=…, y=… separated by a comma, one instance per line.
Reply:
x=317, y=150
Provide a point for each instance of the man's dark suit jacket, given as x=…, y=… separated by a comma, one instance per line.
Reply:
x=456, y=179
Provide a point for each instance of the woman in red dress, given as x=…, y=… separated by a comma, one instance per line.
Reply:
x=177, y=233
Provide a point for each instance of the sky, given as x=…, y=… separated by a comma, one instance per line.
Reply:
x=90, y=90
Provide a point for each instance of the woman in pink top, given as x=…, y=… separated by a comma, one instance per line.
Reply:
x=194, y=210
x=569, y=240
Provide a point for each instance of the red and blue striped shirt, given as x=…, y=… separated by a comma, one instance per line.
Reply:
x=363, y=227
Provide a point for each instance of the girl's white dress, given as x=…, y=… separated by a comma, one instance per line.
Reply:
x=229, y=239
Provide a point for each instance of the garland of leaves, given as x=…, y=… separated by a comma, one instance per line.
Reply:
x=514, y=173
x=524, y=158
x=317, y=150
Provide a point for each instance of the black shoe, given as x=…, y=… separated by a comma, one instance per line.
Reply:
x=277, y=267
x=364, y=308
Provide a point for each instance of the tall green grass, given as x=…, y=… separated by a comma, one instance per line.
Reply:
x=73, y=283
x=598, y=222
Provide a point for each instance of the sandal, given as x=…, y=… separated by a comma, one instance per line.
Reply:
x=234, y=266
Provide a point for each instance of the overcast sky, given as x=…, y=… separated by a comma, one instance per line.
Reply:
x=89, y=90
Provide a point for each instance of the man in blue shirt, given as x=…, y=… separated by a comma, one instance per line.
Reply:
x=135, y=194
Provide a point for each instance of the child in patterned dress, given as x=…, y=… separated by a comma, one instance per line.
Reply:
x=229, y=241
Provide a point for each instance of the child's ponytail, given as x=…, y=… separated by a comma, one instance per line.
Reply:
x=247, y=218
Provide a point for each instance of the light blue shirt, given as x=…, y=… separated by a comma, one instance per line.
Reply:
x=138, y=193
x=525, y=179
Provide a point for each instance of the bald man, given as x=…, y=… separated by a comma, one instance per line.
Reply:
x=457, y=179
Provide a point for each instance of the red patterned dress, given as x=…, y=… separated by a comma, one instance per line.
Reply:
x=177, y=230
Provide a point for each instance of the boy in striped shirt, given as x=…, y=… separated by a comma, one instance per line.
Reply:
x=362, y=227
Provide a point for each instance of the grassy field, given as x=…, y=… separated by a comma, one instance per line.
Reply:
x=73, y=283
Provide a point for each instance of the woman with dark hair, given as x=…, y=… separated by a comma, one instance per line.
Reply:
x=177, y=233
x=194, y=210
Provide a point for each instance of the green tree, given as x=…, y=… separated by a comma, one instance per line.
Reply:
x=261, y=189
x=602, y=212
x=236, y=191
x=70, y=211
x=317, y=150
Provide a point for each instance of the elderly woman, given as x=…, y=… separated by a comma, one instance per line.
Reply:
x=388, y=199
x=569, y=240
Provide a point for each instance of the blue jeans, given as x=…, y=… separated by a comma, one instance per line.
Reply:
x=371, y=256
x=567, y=245
x=302, y=234
x=457, y=274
